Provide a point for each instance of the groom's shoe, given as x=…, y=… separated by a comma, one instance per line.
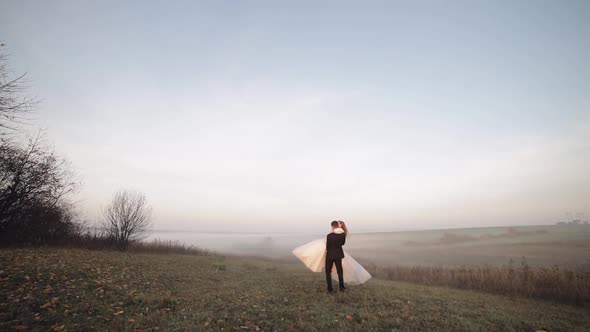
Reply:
x=342, y=289
x=329, y=290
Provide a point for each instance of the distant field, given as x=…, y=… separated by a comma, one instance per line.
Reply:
x=566, y=246
x=78, y=290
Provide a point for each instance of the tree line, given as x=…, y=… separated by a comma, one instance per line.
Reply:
x=37, y=185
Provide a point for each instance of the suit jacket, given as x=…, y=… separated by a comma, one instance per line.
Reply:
x=334, y=243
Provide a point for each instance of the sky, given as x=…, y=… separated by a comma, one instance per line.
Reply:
x=273, y=116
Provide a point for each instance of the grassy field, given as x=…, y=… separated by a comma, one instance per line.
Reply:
x=77, y=290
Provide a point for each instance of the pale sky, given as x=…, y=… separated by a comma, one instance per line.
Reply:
x=276, y=115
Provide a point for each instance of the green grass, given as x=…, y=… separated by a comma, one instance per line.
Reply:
x=77, y=290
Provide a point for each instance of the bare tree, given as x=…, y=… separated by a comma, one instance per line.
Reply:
x=128, y=218
x=34, y=181
x=34, y=186
x=14, y=105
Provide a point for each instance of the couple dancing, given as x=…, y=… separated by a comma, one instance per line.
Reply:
x=323, y=254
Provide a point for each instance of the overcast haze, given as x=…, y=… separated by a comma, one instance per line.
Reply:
x=254, y=116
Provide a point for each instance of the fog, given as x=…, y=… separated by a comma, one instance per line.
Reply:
x=563, y=245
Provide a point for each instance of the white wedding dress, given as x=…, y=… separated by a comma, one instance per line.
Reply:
x=313, y=255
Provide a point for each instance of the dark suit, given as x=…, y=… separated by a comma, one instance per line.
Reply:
x=334, y=255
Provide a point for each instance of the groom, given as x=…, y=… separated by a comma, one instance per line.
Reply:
x=334, y=253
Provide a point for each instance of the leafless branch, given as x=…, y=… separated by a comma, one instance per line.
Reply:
x=128, y=218
x=15, y=107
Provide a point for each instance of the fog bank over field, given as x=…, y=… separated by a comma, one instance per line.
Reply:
x=564, y=245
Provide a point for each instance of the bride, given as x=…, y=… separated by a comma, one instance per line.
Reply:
x=313, y=255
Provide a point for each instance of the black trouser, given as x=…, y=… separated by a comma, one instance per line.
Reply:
x=329, y=264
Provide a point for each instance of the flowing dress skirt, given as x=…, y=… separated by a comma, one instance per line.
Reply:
x=313, y=255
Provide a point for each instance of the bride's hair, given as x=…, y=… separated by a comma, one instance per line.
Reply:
x=339, y=223
x=343, y=226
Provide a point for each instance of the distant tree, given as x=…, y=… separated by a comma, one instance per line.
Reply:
x=127, y=218
x=14, y=105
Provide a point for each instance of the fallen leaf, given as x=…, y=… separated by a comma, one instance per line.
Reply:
x=119, y=312
x=349, y=317
x=22, y=327
x=57, y=327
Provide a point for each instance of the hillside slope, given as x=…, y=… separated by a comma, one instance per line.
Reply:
x=76, y=290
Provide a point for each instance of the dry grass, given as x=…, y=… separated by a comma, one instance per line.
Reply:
x=167, y=247
x=83, y=290
x=97, y=241
x=557, y=284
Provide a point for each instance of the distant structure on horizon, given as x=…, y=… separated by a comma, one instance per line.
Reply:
x=570, y=220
